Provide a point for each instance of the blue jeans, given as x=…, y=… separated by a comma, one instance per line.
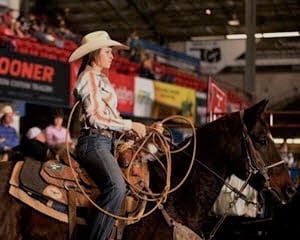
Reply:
x=94, y=153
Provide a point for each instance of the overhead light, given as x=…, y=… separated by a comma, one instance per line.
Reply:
x=280, y=34
x=264, y=35
x=258, y=35
x=289, y=140
x=278, y=140
x=207, y=38
x=236, y=36
x=234, y=21
x=207, y=11
x=244, y=36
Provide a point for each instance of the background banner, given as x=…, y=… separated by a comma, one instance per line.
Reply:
x=124, y=87
x=215, y=55
x=171, y=99
x=201, y=108
x=34, y=80
x=216, y=101
x=143, y=97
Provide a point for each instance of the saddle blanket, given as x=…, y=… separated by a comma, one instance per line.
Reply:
x=45, y=207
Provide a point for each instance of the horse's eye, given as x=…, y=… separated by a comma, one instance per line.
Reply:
x=262, y=140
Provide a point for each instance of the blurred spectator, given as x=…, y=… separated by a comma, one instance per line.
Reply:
x=8, y=26
x=6, y=31
x=35, y=27
x=56, y=133
x=65, y=33
x=45, y=33
x=16, y=26
x=52, y=37
x=146, y=68
x=8, y=134
x=6, y=16
x=136, y=47
x=168, y=78
x=38, y=30
x=24, y=26
x=33, y=145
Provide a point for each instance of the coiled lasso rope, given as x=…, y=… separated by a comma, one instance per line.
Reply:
x=157, y=197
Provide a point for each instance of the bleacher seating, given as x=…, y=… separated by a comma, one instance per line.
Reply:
x=122, y=64
x=32, y=47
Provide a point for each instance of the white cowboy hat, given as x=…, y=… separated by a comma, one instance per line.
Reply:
x=5, y=110
x=94, y=41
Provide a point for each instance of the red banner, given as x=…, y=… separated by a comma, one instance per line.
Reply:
x=217, y=101
x=124, y=87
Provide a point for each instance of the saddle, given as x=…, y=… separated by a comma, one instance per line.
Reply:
x=51, y=187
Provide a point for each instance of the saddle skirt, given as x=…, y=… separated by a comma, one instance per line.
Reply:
x=45, y=187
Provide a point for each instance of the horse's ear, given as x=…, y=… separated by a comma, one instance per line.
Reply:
x=256, y=111
x=261, y=107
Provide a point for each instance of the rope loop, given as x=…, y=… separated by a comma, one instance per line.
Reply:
x=162, y=143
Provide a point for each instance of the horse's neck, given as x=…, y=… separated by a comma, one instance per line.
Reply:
x=192, y=202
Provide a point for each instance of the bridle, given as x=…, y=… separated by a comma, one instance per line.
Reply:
x=256, y=164
x=254, y=160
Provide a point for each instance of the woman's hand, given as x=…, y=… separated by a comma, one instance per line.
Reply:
x=139, y=128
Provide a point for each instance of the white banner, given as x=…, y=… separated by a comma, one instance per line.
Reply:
x=143, y=97
x=215, y=55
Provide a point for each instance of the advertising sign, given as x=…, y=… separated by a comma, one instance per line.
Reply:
x=201, y=108
x=216, y=55
x=33, y=79
x=143, y=97
x=174, y=100
x=124, y=87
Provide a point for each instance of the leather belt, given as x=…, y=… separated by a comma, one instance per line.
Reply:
x=97, y=131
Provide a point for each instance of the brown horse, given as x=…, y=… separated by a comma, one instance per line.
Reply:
x=239, y=143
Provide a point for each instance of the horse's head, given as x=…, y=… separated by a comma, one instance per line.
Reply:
x=263, y=159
